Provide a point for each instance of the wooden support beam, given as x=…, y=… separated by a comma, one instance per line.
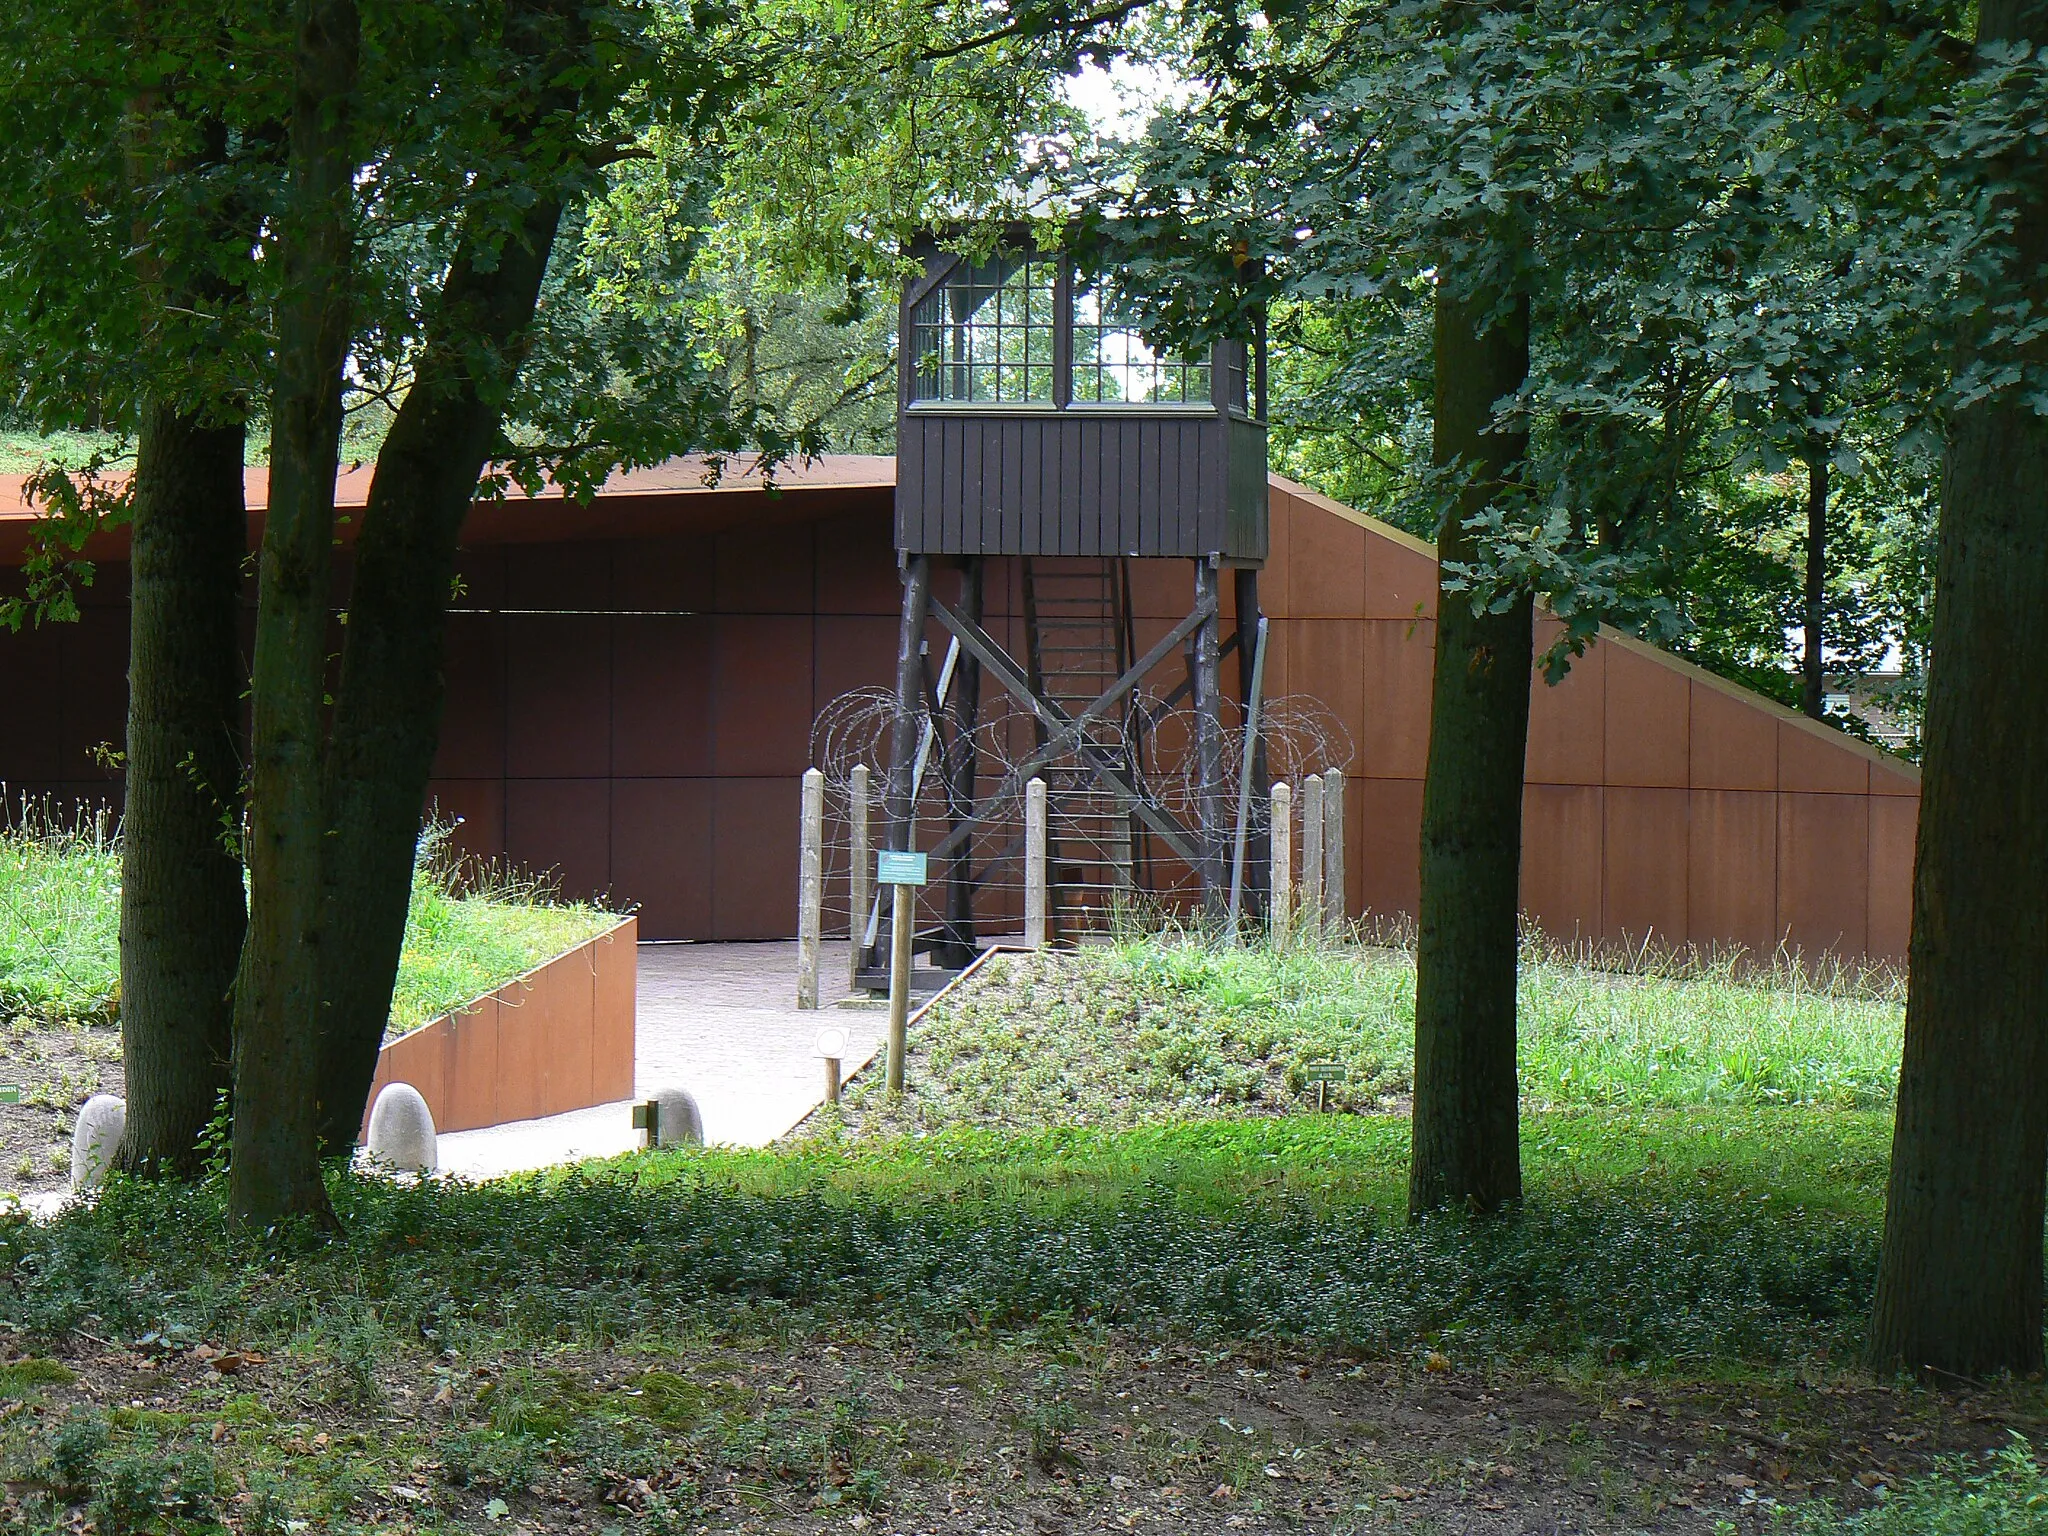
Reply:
x=899, y=802
x=1056, y=720
x=1204, y=666
x=962, y=752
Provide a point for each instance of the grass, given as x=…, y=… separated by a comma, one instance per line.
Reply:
x=470, y=928
x=1175, y=1027
x=1709, y=1239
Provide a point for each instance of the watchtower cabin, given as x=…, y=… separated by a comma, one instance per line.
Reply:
x=1041, y=437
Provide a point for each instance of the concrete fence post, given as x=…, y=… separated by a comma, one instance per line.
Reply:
x=1310, y=907
x=810, y=912
x=1280, y=888
x=860, y=873
x=1034, y=864
x=1333, y=853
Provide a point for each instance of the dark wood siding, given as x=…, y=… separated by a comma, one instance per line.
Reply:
x=1081, y=482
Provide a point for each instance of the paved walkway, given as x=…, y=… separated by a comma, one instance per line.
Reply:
x=719, y=1020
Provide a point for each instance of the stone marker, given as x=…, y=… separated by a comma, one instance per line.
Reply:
x=678, y=1122
x=101, y=1121
x=402, y=1130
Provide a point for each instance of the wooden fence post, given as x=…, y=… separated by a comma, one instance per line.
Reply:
x=860, y=873
x=810, y=911
x=1310, y=920
x=1333, y=852
x=1280, y=888
x=1034, y=864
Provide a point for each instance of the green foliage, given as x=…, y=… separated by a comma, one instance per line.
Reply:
x=2005, y=1495
x=1710, y=1237
x=1171, y=1028
x=470, y=928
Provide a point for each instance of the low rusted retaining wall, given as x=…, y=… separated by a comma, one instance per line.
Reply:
x=558, y=1038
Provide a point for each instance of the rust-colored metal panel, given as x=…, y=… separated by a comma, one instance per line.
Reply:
x=1649, y=719
x=32, y=687
x=95, y=699
x=1734, y=741
x=1400, y=583
x=1327, y=659
x=1894, y=823
x=613, y=1037
x=476, y=1069
x=425, y=1059
x=564, y=1010
x=572, y=573
x=754, y=855
x=1326, y=567
x=558, y=702
x=1647, y=854
x=661, y=696
x=1399, y=658
x=763, y=690
x=667, y=574
x=1561, y=843
x=477, y=806
x=1568, y=720
x=1274, y=594
x=661, y=853
x=1162, y=589
x=1894, y=778
x=524, y=1047
x=1820, y=759
x=757, y=575
x=473, y=716
x=1732, y=885
x=857, y=566
x=1824, y=872
x=562, y=825
x=1389, y=843
x=859, y=651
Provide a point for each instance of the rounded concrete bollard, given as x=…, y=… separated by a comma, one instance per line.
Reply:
x=402, y=1130
x=680, y=1123
x=101, y=1121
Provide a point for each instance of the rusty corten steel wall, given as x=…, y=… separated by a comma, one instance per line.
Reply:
x=635, y=711
x=1662, y=802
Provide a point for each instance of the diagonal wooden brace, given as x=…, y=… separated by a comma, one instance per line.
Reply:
x=1061, y=726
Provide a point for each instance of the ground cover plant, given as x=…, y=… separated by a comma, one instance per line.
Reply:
x=1221, y=1325
x=470, y=929
x=1172, y=1026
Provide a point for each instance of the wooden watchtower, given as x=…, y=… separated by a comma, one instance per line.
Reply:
x=1036, y=423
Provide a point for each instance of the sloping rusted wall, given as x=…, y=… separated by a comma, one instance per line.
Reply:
x=1662, y=802
x=559, y=1038
x=631, y=687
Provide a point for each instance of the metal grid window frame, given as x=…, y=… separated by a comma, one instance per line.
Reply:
x=1114, y=365
x=987, y=334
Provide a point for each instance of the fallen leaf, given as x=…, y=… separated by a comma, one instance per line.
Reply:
x=1633, y=1402
x=1396, y=1491
x=1436, y=1361
x=1737, y=1480
x=228, y=1365
x=1223, y=1491
x=497, y=1509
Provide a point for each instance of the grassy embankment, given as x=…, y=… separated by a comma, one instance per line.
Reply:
x=60, y=890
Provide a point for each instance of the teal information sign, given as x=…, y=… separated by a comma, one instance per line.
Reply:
x=894, y=868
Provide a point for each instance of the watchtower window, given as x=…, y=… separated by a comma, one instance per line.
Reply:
x=985, y=334
x=1113, y=363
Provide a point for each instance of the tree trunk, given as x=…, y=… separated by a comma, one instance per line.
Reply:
x=1465, y=1147
x=1959, y=1281
x=387, y=713
x=1813, y=665
x=182, y=909
x=275, y=1173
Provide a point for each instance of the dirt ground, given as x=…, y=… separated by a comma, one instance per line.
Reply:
x=56, y=1069
x=993, y=1439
